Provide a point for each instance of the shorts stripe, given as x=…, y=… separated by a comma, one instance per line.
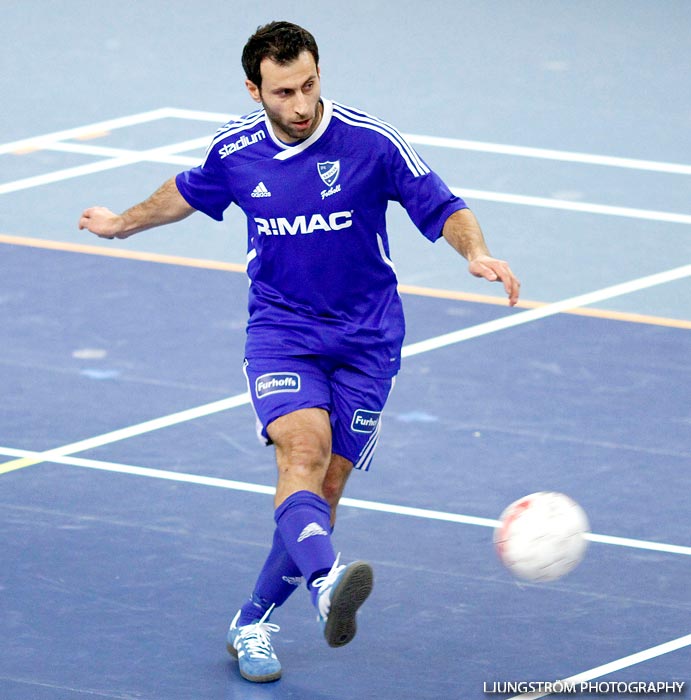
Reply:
x=259, y=426
x=365, y=458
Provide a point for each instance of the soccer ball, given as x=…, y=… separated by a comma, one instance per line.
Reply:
x=541, y=537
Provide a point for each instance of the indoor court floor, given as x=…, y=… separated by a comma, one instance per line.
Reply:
x=135, y=499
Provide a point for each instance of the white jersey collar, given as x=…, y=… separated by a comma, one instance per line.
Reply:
x=288, y=151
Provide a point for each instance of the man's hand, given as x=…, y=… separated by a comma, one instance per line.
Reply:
x=495, y=270
x=463, y=233
x=165, y=206
x=103, y=222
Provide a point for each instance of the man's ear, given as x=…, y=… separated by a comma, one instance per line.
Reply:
x=253, y=90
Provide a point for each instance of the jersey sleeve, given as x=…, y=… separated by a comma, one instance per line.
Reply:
x=206, y=187
x=423, y=194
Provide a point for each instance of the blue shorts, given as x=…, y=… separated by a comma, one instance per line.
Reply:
x=353, y=400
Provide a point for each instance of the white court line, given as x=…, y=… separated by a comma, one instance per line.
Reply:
x=408, y=351
x=618, y=665
x=67, y=173
x=129, y=432
x=489, y=147
x=548, y=310
x=551, y=154
x=79, y=131
x=374, y=506
x=170, y=156
x=638, y=544
x=201, y=116
x=44, y=140
x=566, y=205
x=165, y=155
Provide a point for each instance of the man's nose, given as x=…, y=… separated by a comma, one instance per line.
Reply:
x=300, y=104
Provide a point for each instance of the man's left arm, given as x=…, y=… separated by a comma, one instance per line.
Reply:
x=462, y=231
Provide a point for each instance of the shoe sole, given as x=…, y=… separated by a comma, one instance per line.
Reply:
x=350, y=593
x=268, y=678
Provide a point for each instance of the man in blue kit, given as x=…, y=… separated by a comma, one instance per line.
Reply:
x=325, y=323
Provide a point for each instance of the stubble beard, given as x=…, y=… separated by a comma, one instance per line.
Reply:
x=287, y=128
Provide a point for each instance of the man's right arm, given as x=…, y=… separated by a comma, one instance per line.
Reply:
x=165, y=206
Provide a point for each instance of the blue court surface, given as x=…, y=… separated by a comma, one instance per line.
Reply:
x=135, y=499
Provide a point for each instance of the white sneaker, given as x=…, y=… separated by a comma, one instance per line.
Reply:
x=251, y=646
x=341, y=593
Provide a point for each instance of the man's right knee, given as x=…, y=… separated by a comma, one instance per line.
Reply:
x=302, y=451
x=303, y=442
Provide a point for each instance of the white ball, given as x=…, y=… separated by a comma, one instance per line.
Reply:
x=541, y=537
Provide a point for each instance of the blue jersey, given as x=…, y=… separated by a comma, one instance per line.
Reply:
x=321, y=280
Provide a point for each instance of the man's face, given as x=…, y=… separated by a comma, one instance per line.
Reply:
x=290, y=95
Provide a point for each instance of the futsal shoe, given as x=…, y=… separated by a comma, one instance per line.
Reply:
x=341, y=593
x=251, y=646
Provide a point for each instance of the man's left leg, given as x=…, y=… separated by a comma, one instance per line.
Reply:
x=356, y=434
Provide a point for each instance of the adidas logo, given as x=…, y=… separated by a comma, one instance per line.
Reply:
x=293, y=580
x=311, y=530
x=261, y=191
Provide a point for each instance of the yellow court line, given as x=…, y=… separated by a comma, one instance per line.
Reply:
x=403, y=288
x=501, y=301
x=93, y=135
x=15, y=464
x=25, y=150
x=121, y=253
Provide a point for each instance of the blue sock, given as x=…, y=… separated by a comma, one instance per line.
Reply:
x=304, y=523
x=277, y=580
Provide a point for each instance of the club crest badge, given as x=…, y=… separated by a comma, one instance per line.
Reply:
x=329, y=172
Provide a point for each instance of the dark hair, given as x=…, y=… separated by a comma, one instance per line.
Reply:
x=282, y=42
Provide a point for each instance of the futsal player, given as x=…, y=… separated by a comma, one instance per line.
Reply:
x=326, y=326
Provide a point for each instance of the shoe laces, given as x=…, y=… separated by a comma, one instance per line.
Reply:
x=323, y=583
x=256, y=637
